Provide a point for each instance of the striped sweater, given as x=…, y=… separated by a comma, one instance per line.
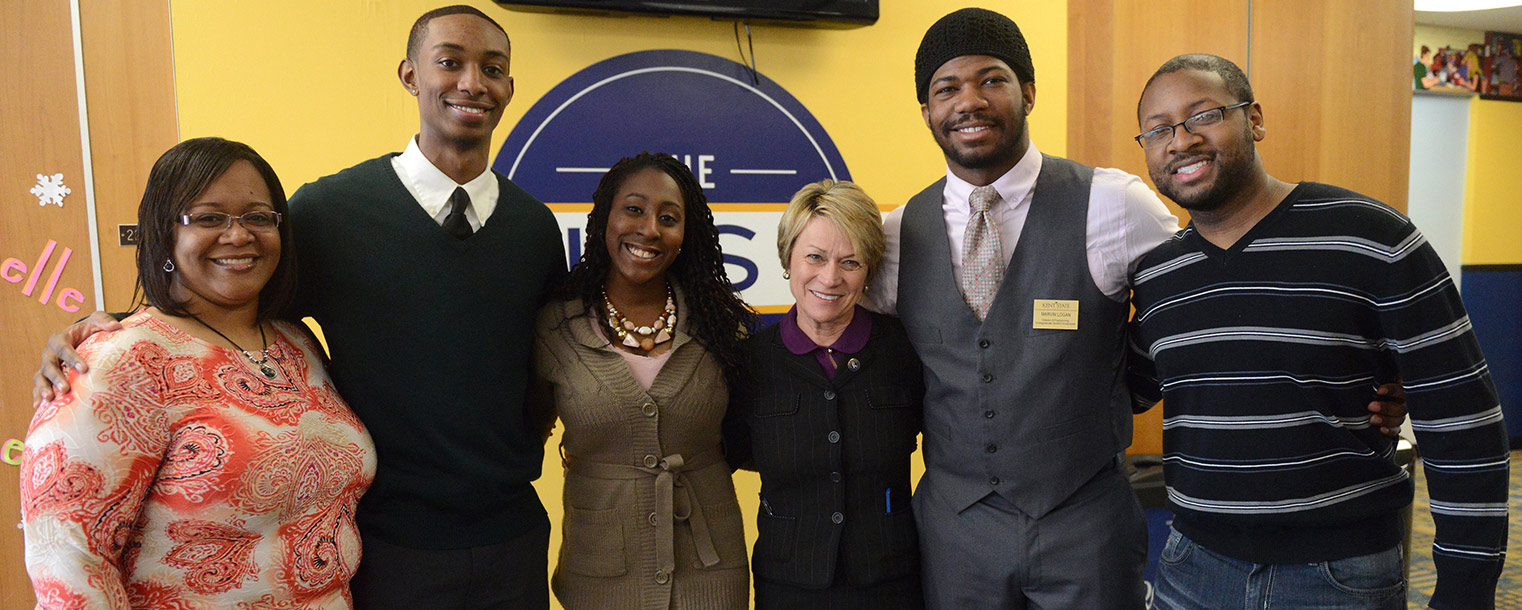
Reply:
x=1268, y=354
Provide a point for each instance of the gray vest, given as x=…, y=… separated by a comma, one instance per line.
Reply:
x=1028, y=414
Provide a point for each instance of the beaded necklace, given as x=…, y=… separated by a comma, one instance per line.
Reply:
x=642, y=337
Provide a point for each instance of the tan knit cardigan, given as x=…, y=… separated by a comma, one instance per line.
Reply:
x=651, y=520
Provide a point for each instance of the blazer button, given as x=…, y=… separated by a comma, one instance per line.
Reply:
x=837, y=518
x=983, y=343
x=662, y=577
x=829, y=395
x=987, y=378
x=648, y=409
x=835, y=477
x=993, y=480
x=834, y=436
x=989, y=414
x=652, y=461
x=992, y=448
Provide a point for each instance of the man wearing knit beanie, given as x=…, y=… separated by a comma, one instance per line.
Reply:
x=1010, y=274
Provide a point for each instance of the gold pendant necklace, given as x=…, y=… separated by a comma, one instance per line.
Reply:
x=261, y=361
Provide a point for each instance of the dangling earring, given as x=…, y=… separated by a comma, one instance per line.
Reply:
x=168, y=266
x=786, y=275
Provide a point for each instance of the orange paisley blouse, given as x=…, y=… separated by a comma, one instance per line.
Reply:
x=176, y=475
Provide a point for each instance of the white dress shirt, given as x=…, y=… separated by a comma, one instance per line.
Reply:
x=431, y=187
x=1125, y=221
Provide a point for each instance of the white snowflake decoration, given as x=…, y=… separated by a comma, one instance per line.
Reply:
x=50, y=189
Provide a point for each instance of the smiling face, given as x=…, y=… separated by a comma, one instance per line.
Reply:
x=1200, y=171
x=225, y=269
x=460, y=77
x=976, y=111
x=826, y=275
x=645, y=227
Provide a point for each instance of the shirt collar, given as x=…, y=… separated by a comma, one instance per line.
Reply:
x=1013, y=186
x=433, y=187
x=851, y=341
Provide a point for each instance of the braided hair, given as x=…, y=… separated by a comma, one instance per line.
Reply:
x=718, y=319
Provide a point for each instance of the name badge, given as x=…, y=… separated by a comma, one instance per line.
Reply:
x=1055, y=314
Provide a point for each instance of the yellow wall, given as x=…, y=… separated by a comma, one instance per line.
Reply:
x=1493, y=186
x=312, y=87
x=1437, y=37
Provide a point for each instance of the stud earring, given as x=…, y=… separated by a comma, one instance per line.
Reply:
x=168, y=266
x=786, y=275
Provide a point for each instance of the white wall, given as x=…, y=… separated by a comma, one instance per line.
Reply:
x=1439, y=144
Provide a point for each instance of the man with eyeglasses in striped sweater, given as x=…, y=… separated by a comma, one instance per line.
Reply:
x=1266, y=325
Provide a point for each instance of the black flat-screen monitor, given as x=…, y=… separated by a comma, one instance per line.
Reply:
x=803, y=12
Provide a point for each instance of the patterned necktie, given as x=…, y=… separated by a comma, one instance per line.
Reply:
x=455, y=223
x=982, y=256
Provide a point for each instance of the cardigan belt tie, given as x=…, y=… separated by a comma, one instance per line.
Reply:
x=670, y=506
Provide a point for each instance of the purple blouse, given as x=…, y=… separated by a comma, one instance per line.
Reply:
x=850, y=342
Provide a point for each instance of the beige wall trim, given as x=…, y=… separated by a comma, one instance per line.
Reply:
x=84, y=146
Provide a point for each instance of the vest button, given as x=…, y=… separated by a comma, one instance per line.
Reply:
x=648, y=409
x=829, y=395
x=652, y=519
x=837, y=518
x=993, y=480
x=652, y=461
x=834, y=436
x=989, y=414
x=835, y=477
x=992, y=448
x=661, y=577
x=983, y=343
x=988, y=378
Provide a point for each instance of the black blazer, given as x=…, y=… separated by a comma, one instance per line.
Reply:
x=833, y=458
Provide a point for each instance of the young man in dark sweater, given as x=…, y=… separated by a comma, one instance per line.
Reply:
x=1266, y=324
x=426, y=270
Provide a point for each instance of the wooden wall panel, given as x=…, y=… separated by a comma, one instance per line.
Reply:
x=1334, y=81
x=129, y=86
x=40, y=135
x=129, y=82
x=1113, y=48
x=1115, y=45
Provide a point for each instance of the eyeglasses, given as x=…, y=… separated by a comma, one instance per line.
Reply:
x=258, y=220
x=1163, y=134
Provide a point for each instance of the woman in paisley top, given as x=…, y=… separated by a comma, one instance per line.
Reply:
x=205, y=460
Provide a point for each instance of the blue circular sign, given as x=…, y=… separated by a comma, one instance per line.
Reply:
x=750, y=143
x=747, y=140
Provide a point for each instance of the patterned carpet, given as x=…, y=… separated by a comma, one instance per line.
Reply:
x=1423, y=578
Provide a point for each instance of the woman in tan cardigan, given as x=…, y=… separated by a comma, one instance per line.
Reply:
x=636, y=360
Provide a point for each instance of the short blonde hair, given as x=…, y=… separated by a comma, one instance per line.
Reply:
x=848, y=207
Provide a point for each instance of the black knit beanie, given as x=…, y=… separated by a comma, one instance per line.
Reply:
x=971, y=31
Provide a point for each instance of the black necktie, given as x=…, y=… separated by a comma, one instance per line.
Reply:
x=455, y=223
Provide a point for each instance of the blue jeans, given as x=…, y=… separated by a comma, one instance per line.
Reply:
x=1191, y=577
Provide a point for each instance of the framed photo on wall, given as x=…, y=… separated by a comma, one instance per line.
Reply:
x=1501, y=76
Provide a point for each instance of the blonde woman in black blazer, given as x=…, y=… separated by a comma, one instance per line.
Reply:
x=827, y=410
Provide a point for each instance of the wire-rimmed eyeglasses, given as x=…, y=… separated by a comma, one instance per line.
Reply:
x=1163, y=134
x=257, y=220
